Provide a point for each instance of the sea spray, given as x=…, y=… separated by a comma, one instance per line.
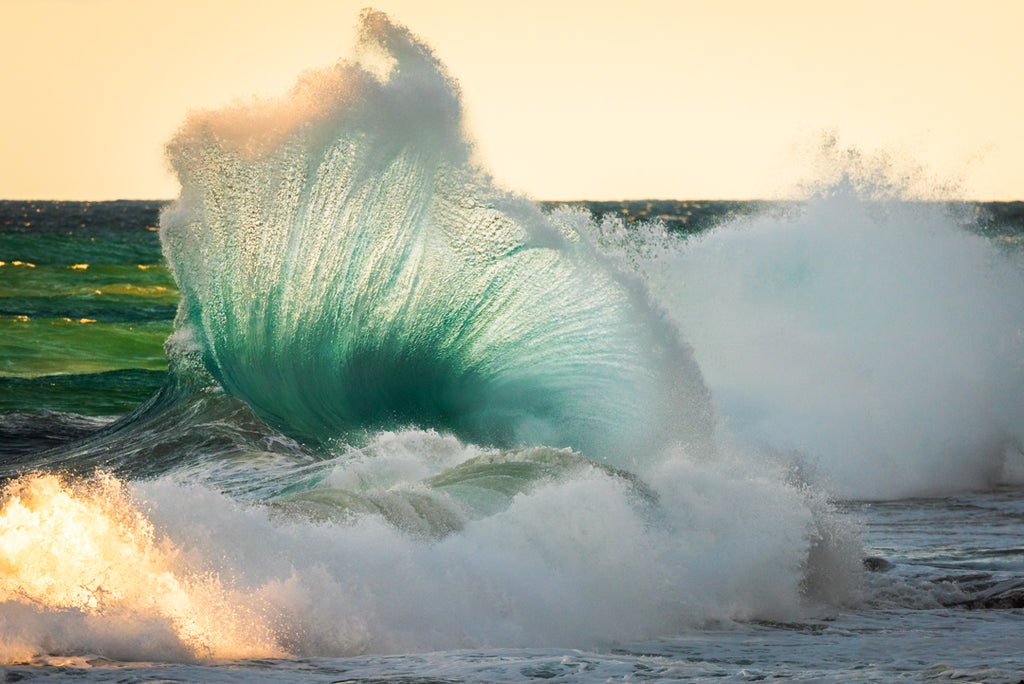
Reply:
x=344, y=268
x=871, y=341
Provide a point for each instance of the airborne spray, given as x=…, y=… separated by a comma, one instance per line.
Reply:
x=870, y=340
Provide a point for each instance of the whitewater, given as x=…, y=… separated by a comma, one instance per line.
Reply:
x=414, y=427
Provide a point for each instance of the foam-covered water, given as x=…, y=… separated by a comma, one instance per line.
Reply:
x=407, y=412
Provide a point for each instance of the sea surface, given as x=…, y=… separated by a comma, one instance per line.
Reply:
x=346, y=411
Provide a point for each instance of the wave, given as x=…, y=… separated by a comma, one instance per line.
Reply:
x=404, y=410
x=344, y=268
x=415, y=542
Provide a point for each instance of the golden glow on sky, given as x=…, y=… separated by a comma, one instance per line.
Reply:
x=565, y=99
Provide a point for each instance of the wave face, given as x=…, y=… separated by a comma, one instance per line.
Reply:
x=345, y=268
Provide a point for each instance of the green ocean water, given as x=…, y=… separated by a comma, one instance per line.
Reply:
x=86, y=302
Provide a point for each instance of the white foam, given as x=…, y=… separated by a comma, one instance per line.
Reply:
x=876, y=344
x=585, y=559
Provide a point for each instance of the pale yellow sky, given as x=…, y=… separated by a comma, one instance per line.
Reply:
x=565, y=99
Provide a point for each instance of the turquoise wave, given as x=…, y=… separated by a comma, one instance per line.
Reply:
x=345, y=269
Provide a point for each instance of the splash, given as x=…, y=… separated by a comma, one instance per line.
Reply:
x=83, y=555
x=868, y=339
x=344, y=268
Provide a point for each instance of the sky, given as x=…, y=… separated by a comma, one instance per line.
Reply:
x=683, y=99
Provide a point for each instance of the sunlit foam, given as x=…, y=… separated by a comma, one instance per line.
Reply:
x=85, y=550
